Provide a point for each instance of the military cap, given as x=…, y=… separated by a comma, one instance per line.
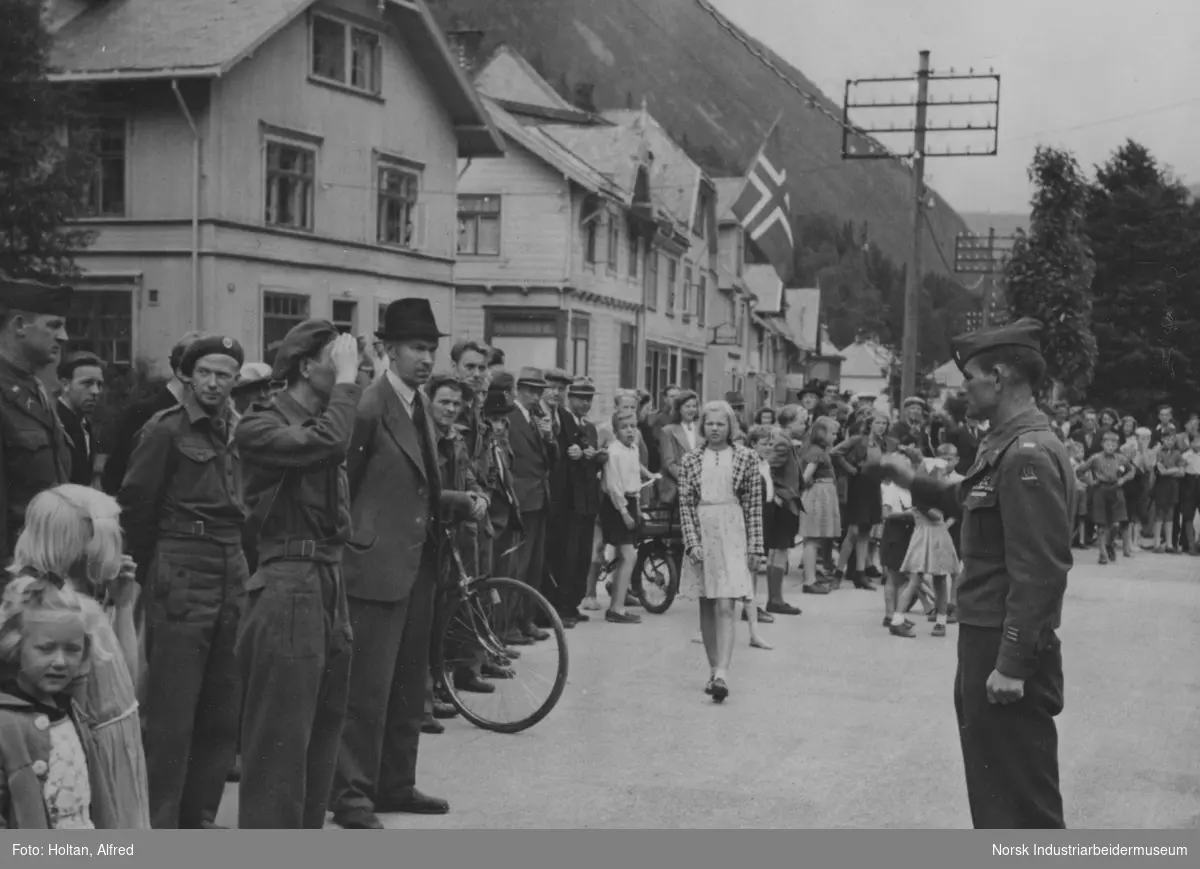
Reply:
x=582, y=386
x=35, y=297
x=1022, y=333
x=303, y=340
x=558, y=376
x=210, y=345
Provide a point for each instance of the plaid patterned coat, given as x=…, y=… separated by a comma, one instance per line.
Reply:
x=747, y=484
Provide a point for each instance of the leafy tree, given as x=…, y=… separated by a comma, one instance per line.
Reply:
x=1146, y=309
x=1049, y=275
x=41, y=177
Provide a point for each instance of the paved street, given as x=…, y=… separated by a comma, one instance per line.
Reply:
x=841, y=725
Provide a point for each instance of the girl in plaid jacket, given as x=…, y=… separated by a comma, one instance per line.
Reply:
x=720, y=509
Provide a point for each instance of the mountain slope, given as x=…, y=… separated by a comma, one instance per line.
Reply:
x=712, y=94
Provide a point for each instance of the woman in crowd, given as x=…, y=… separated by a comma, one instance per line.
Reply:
x=765, y=416
x=720, y=508
x=677, y=439
x=864, y=507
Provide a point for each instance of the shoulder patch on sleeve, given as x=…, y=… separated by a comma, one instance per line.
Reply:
x=1029, y=475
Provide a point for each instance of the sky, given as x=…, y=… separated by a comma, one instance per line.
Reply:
x=1084, y=75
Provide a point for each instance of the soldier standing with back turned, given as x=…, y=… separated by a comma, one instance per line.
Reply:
x=1016, y=504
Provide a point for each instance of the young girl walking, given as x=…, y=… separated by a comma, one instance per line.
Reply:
x=930, y=553
x=72, y=540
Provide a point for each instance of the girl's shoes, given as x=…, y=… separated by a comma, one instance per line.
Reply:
x=719, y=690
x=590, y=604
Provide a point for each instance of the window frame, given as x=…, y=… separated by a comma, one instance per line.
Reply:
x=384, y=164
x=94, y=190
x=672, y=280
x=613, y=263
x=581, y=323
x=627, y=355
x=280, y=293
x=82, y=340
x=279, y=140
x=650, y=281
x=702, y=298
x=352, y=325
x=349, y=30
x=688, y=299
x=478, y=217
x=634, y=253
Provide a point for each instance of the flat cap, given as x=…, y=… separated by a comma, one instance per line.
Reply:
x=914, y=401
x=582, y=386
x=303, y=340
x=253, y=375
x=35, y=297
x=210, y=345
x=557, y=375
x=1025, y=332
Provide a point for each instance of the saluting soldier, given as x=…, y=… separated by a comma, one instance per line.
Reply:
x=184, y=517
x=34, y=454
x=293, y=451
x=1016, y=503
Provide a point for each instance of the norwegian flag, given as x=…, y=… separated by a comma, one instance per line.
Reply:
x=764, y=208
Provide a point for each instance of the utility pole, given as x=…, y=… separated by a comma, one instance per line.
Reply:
x=868, y=149
x=983, y=255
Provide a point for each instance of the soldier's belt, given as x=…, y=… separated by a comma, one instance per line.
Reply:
x=299, y=550
x=221, y=533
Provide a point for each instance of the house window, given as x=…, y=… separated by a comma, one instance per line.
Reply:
x=534, y=338
x=581, y=330
x=291, y=182
x=397, y=219
x=380, y=316
x=347, y=55
x=740, y=313
x=614, y=242
x=702, y=300
x=660, y=362
x=627, y=374
x=101, y=322
x=479, y=225
x=635, y=253
x=345, y=315
x=693, y=373
x=672, y=273
x=703, y=206
x=740, y=253
x=687, y=291
x=590, y=241
x=281, y=311
x=650, y=282
x=105, y=141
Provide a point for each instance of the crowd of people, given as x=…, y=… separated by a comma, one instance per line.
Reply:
x=239, y=575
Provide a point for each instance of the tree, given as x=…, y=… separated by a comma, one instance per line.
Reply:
x=1049, y=275
x=1146, y=309
x=42, y=175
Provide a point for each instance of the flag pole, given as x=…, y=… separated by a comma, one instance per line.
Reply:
x=759, y=152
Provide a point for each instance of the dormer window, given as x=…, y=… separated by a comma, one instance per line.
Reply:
x=346, y=55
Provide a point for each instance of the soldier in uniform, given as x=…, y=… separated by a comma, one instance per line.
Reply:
x=34, y=454
x=1016, y=504
x=184, y=517
x=293, y=452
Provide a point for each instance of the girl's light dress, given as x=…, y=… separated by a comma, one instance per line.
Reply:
x=931, y=549
x=67, y=790
x=724, y=572
x=106, y=698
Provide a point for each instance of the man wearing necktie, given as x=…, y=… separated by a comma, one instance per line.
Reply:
x=33, y=447
x=555, y=577
x=391, y=568
x=82, y=380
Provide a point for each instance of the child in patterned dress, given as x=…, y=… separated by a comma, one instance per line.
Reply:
x=44, y=780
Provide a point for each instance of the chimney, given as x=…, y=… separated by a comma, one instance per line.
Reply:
x=585, y=93
x=465, y=44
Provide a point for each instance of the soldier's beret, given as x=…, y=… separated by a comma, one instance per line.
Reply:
x=1023, y=333
x=302, y=341
x=558, y=376
x=582, y=386
x=34, y=297
x=210, y=345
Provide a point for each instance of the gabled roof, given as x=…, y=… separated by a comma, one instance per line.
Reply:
x=674, y=177
x=865, y=359
x=507, y=75
x=536, y=140
x=615, y=151
x=116, y=40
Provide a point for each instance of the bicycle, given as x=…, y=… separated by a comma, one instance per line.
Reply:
x=478, y=627
x=659, y=547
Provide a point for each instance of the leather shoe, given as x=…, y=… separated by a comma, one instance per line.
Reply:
x=473, y=684
x=491, y=671
x=535, y=633
x=444, y=710
x=517, y=638
x=432, y=726
x=357, y=819
x=415, y=803
x=580, y=616
x=235, y=773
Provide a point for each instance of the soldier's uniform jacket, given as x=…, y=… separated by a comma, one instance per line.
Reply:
x=1017, y=509
x=34, y=454
x=184, y=477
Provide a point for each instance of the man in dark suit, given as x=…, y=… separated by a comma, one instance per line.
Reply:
x=584, y=461
x=391, y=567
x=81, y=377
x=531, y=440
x=556, y=567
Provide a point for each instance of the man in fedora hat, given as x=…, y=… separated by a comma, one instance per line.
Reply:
x=534, y=451
x=584, y=463
x=912, y=430
x=391, y=567
x=554, y=575
x=33, y=444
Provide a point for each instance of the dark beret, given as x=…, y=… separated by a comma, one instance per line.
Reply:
x=1022, y=333
x=304, y=340
x=34, y=297
x=210, y=345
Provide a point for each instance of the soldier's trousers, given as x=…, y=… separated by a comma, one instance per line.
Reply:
x=193, y=691
x=1010, y=753
x=294, y=651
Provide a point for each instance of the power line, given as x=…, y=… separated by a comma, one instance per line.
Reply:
x=1103, y=121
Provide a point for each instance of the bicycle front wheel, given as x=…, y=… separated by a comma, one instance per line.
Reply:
x=483, y=643
x=658, y=578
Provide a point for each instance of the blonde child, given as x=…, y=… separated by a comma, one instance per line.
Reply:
x=72, y=540
x=1075, y=452
x=620, y=511
x=1110, y=470
x=931, y=552
x=44, y=780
